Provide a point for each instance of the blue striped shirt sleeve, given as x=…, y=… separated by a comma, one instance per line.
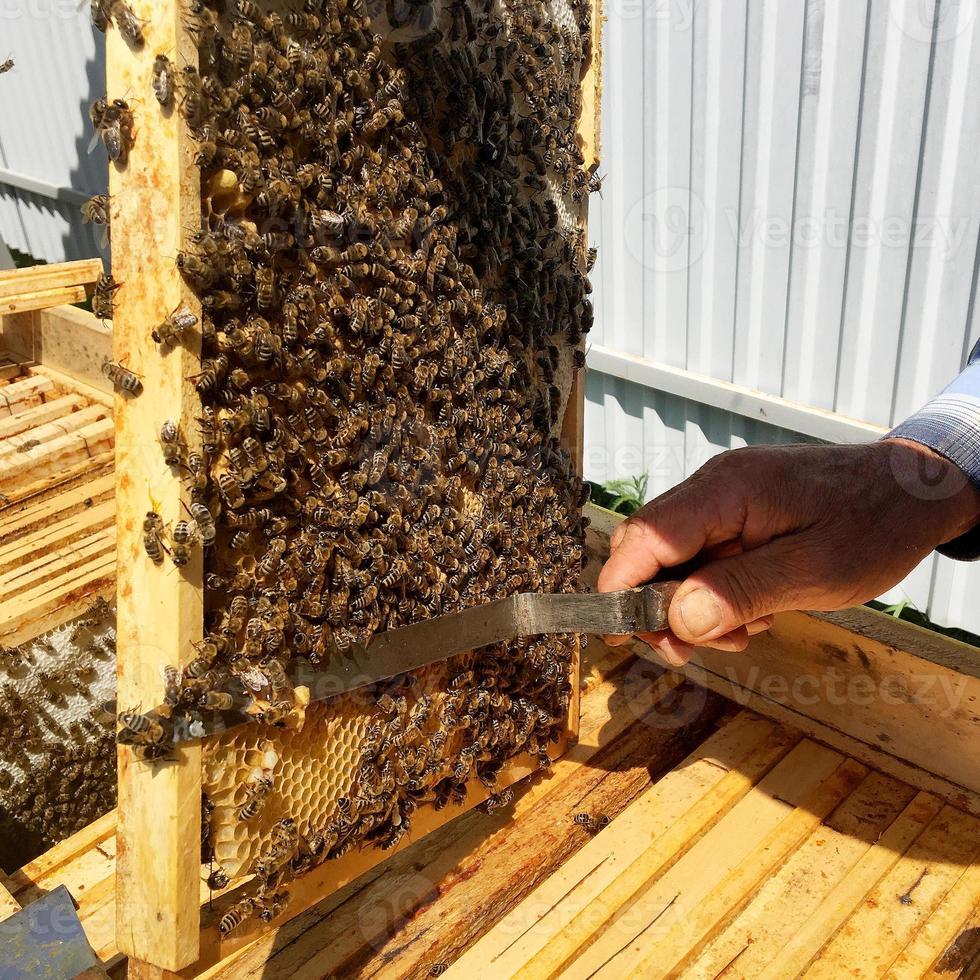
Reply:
x=950, y=424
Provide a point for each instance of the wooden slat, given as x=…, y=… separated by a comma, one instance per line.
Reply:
x=57, y=601
x=902, y=900
x=37, y=278
x=681, y=865
x=74, y=342
x=22, y=394
x=784, y=902
x=828, y=917
x=31, y=490
x=535, y=923
x=56, y=535
x=157, y=200
x=10, y=370
x=43, y=299
x=8, y=904
x=940, y=929
x=52, y=458
x=22, y=421
x=33, y=514
x=30, y=576
x=65, y=425
x=93, y=392
x=670, y=954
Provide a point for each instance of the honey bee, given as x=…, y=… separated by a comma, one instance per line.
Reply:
x=153, y=537
x=592, y=824
x=139, y=729
x=173, y=329
x=122, y=378
x=174, y=447
x=236, y=915
x=96, y=210
x=127, y=22
x=217, y=701
x=218, y=879
x=102, y=297
x=113, y=122
x=257, y=789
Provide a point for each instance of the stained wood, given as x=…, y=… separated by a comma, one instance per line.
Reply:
x=65, y=424
x=902, y=900
x=8, y=904
x=55, y=456
x=57, y=534
x=74, y=342
x=22, y=394
x=157, y=202
x=42, y=299
x=750, y=942
x=538, y=920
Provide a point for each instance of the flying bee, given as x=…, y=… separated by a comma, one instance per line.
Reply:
x=153, y=536
x=121, y=377
x=102, y=297
x=174, y=447
x=163, y=80
x=173, y=329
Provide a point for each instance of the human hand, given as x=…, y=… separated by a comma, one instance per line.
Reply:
x=788, y=527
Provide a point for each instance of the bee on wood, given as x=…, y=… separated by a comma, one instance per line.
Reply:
x=592, y=824
x=171, y=685
x=153, y=536
x=96, y=210
x=163, y=82
x=113, y=122
x=139, y=729
x=173, y=329
x=272, y=907
x=121, y=377
x=127, y=23
x=103, y=296
x=174, y=447
x=100, y=13
x=236, y=915
x=183, y=537
x=204, y=520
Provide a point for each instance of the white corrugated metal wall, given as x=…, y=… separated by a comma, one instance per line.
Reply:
x=46, y=170
x=792, y=205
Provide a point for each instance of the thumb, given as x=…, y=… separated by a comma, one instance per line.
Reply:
x=735, y=591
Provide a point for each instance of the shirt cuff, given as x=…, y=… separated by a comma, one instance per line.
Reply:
x=950, y=425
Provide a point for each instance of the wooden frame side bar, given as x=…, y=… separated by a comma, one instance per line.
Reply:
x=156, y=201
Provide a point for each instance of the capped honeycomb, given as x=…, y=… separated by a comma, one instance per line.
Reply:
x=392, y=270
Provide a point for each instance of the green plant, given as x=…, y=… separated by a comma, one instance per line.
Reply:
x=625, y=496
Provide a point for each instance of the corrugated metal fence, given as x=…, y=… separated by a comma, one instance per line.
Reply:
x=792, y=207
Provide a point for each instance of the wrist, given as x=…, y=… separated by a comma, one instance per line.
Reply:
x=942, y=488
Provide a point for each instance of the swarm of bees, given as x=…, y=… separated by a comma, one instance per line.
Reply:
x=57, y=754
x=393, y=286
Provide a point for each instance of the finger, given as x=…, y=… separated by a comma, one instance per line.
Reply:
x=616, y=639
x=703, y=512
x=727, y=595
x=760, y=625
x=734, y=642
x=675, y=652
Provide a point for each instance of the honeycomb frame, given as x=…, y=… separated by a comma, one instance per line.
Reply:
x=161, y=618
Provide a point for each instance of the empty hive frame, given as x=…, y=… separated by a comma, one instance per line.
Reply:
x=185, y=166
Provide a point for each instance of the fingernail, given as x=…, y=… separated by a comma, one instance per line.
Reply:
x=701, y=613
